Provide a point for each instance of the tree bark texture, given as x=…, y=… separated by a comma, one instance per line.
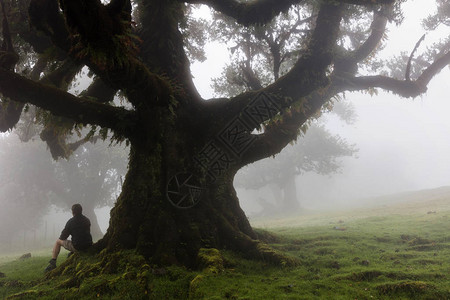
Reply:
x=144, y=219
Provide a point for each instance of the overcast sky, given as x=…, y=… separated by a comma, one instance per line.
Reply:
x=404, y=144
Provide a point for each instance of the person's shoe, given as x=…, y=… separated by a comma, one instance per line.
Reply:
x=51, y=265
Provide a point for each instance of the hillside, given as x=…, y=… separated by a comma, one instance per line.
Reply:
x=399, y=248
x=412, y=202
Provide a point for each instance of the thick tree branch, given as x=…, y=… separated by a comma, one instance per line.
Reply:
x=45, y=17
x=75, y=145
x=346, y=64
x=434, y=68
x=250, y=78
x=404, y=88
x=61, y=103
x=100, y=91
x=378, y=28
x=8, y=56
x=7, y=44
x=38, y=68
x=57, y=144
x=63, y=75
x=280, y=133
x=262, y=11
x=100, y=26
x=96, y=25
x=309, y=72
x=163, y=50
x=10, y=111
x=277, y=135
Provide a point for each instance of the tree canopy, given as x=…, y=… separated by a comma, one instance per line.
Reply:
x=184, y=151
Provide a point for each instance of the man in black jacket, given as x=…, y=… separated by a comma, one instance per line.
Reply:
x=79, y=227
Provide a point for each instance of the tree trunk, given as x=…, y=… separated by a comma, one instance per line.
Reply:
x=143, y=218
x=290, y=201
x=89, y=212
x=276, y=192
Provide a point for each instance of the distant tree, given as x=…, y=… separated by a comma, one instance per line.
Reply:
x=183, y=150
x=92, y=177
x=32, y=182
x=317, y=151
x=24, y=170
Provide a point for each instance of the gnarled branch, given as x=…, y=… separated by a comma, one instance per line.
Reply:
x=280, y=133
x=404, y=88
x=10, y=111
x=378, y=28
x=434, y=68
x=100, y=91
x=62, y=76
x=61, y=103
x=124, y=72
x=45, y=17
x=309, y=72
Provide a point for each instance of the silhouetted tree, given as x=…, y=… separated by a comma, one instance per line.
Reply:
x=317, y=151
x=183, y=150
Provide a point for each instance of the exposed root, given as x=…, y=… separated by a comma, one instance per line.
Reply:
x=271, y=256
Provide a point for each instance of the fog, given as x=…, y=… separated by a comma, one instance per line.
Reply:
x=38, y=192
x=403, y=144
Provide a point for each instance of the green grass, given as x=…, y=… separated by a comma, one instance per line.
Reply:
x=21, y=274
x=390, y=252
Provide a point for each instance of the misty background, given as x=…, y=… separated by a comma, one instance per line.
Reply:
x=403, y=144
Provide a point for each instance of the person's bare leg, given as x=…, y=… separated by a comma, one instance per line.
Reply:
x=56, y=249
x=55, y=253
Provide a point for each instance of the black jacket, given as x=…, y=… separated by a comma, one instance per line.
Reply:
x=79, y=227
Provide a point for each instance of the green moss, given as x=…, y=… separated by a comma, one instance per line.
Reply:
x=267, y=237
x=30, y=294
x=275, y=257
x=413, y=288
x=194, y=287
x=210, y=260
x=69, y=283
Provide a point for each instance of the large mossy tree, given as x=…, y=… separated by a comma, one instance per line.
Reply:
x=178, y=195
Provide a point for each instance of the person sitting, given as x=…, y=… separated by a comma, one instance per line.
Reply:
x=79, y=227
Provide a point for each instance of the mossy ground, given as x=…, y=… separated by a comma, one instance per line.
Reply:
x=396, y=254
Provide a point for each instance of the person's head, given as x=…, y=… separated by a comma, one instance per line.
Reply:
x=77, y=209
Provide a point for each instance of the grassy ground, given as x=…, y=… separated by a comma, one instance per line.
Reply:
x=399, y=251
